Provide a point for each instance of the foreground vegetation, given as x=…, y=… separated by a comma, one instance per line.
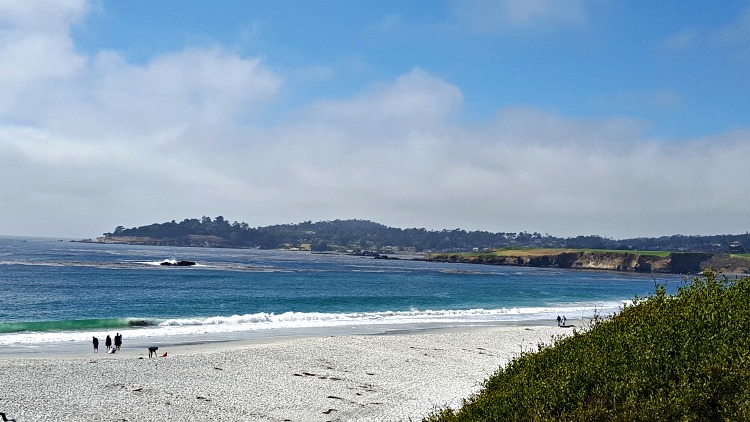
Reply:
x=666, y=357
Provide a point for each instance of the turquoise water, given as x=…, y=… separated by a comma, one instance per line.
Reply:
x=56, y=291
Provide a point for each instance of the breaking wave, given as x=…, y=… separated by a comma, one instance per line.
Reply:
x=79, y=330
x=75, y=325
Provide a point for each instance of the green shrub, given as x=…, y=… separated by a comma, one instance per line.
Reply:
x=665, y=357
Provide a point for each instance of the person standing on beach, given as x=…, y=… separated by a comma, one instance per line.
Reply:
x=559, y=320
x=118, y=341
x=108, y=342
x=96, y=345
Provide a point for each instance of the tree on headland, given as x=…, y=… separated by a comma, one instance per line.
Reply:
x=118, y=232
x=368, y=235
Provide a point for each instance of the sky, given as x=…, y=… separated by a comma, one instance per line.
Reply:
x=575, y=117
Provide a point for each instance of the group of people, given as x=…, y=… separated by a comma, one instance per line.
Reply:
x=561, y=321
x=111, y=347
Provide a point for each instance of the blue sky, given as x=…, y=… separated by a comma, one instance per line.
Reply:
x=661, y=63
x=564, y=117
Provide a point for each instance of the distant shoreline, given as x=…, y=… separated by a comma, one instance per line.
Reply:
x=629, y=261
x=135, y=341
x=671, y=263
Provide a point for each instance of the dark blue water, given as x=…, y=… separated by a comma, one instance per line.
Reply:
x=72, y=289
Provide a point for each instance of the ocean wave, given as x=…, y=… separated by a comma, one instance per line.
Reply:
x=82, y=330
x=36, y=263
x=76, y=325
x=263, y=320
x=130, y=264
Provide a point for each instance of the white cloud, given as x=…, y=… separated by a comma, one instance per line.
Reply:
x=47, y=83
x=733, y=35
x=35, y=47
x=107, y=143
x=660, y=99
x=681, y=40
x=489, y=16
x=416, y=101
x=187, y=90
x=527, y=170
x=209, y=86
x=736, y=32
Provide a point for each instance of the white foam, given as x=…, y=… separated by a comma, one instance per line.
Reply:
x=320, y=320
x=167, y=262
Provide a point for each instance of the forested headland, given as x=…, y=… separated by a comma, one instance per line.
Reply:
x=363, y=235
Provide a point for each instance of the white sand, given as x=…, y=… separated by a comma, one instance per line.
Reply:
x=346, y=378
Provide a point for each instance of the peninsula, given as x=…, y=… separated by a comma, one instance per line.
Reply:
x=673, y=254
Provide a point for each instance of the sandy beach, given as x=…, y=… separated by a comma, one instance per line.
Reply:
x=395, y=377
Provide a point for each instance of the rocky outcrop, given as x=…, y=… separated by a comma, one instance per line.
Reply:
x=178, y=263
x=679, y=263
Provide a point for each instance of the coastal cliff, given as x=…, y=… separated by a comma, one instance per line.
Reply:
x=676, y=262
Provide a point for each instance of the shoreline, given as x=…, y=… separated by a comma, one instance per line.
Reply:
x=386, y=376
x=625, y=260
x=132, y=341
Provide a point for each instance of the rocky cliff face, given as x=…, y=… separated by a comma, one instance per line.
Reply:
x=679, y=263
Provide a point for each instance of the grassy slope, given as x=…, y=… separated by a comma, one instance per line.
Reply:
x=682, y=357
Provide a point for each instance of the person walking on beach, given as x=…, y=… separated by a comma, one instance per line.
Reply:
x=96, y=345
x=559, y=320
x=108, y=342
x=118, y=341
x=564, y=320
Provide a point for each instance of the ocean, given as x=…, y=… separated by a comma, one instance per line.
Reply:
x=60, y=294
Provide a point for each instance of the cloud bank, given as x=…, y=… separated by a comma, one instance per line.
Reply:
x=88, y=143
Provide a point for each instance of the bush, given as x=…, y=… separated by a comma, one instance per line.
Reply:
x=665, y=357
